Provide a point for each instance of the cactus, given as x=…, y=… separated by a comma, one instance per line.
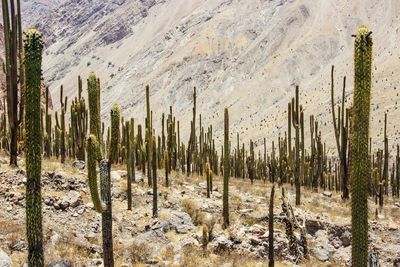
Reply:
x=33, y=45
x=106, y=216
x=359, y=145
x=340, y=127
x=115, y=134
x=225, y=210
x=129, y=167
x=154, y=172
x=208, y=174
x=271, y=262
x=93, y=153
x=166, y=166
x=94, y=108
x=204, y=241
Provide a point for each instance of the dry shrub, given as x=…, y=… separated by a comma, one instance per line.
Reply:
x=191, y=208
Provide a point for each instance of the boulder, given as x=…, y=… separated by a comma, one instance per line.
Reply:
x=5, y=260
x=79, y=164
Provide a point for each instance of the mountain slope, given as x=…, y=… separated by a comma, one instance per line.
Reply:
x=246, y=55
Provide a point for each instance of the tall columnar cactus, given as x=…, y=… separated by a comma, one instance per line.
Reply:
x=208, y=174
x=154, y=183
x=296, y=124
x=33, y=45
x=115, y=133
x=167, y=167
x=271, y=261
x=106, y=216
x=93, y=154
x=225, y=210
x=359, y=145
x=129, y=166
x=94, y=107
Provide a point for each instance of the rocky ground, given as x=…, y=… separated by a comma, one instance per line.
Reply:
x=72, y=228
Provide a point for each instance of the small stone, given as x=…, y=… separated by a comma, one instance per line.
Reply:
x=47, y=201
x=81, y=211
x=327, y=194
x=9, y=208
x=64, y=205
x=397, y=204
x=320, y=253
x=217, y=194
x=79, y=164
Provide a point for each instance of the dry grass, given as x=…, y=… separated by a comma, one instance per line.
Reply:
x=190, y=207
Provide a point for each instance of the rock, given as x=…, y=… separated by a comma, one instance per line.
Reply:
x=189, y=242
x=346, y=239
x=396, y=261
x=222, y=244
x=397, y=204
x=54, y=239
x=115, y=175
x=327, y=194
x=313, y=226
x=94, y=262
x=63, y=263
x=5, y=260
x=320, y=253
x=58, y=176
x=79, y=164
x=217, y=194
x=47, y=201
x=64, y=205
x=178, y=260
x=74, y=199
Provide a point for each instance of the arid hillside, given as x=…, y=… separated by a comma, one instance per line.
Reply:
x=246, y=55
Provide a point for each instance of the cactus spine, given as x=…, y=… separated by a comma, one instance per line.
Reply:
x=359, y=146
x=225, y=211
x=33, y=45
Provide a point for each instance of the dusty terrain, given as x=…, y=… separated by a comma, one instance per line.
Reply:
x=72, y=228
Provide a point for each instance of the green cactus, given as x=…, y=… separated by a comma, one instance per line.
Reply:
x=225, y=211
x=94, y=107
x=166, y=166
x=115, y=133
x=106, y=216
x=33, y=45
x=93, y=154
x=359, y=146
x=271, y=261
x=154, y=172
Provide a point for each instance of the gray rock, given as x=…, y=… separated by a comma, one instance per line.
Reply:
x=397, y=204
x=327, y=194
x=64, y=205
x=63, y=263
x=346, y=239
x=5, y=260
x=74, y=198
x=217, y=194
x=221, y=243
x=320, y=253
x=79, y=164
x=178, y=260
